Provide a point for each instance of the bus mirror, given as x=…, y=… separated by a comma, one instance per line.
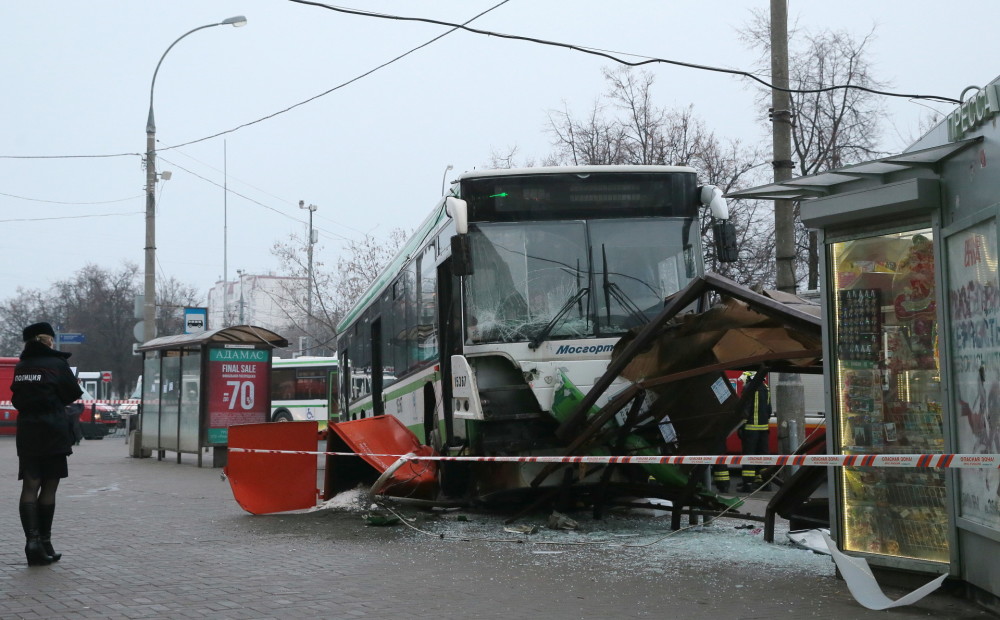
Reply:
x=461, y=255
x=711, y=197
x=725, y=241
x=458, y=210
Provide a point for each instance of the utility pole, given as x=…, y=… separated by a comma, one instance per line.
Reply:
x=781, y=118
x=787, y=388
x=309, y=298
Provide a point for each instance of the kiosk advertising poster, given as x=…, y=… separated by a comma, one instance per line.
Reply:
x=974, y=299
x=238, y=389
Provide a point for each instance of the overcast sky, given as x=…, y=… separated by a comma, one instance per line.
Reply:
x=371, y=155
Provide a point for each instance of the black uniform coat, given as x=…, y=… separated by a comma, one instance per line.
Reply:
x=43, y=386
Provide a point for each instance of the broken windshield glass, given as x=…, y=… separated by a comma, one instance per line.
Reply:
x=577, y=299
x=524, y=275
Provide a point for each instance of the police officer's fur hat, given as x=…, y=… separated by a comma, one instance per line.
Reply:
x=37, y=329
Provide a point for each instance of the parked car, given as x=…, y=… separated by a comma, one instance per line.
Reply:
x=130, y=407
x=97, y=420
x=8, y=415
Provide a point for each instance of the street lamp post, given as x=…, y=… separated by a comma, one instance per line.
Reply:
x=149, y=283
x=309, y=283
x=444, y=177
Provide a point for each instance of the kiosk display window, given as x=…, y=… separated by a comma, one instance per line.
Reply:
x=887, y=394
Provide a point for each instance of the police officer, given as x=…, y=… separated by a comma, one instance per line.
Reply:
x=754, y=434
x=43, y=386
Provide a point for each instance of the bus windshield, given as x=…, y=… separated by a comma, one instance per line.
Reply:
x=574, y=279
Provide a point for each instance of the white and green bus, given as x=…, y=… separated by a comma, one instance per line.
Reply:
x=305, y=388
x=519, y=283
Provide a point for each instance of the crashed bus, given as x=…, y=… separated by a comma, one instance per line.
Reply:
x=543, y=312
x=506, y=304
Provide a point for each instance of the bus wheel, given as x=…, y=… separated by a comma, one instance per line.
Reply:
x=282, y=416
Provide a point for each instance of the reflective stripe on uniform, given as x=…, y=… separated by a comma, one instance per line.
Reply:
x=755, y=423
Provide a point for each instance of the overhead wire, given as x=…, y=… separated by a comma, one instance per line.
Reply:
x=266, y=193
x=454, y=27
x=60, y=202
x=93, y=156
x=612, y=56
x=68, y=217
x=325, y=232
x=245, y=197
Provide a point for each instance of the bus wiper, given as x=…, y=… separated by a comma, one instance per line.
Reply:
x=612, y=289
x=537, y=339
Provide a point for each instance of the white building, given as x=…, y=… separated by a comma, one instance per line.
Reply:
x=272, y=302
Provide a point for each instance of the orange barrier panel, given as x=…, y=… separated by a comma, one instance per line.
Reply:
x=263, y=483
x=373, y=438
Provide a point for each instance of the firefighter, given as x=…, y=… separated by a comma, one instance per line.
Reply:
x=720, y=473
x=754, y=434
x=720, y=477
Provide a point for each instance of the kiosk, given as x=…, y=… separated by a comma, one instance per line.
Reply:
x=911, y=308
x=195, y=386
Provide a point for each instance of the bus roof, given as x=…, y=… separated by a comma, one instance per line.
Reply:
x=542, y=170
x=304, y=360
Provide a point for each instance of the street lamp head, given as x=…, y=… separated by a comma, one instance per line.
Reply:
x=236, y=22
x=445, y=176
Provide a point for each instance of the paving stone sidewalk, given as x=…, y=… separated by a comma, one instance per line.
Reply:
x=143, y=538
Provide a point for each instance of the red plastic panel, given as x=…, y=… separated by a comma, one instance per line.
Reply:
x=264, y=483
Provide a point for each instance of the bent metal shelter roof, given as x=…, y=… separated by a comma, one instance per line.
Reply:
x=237, y=334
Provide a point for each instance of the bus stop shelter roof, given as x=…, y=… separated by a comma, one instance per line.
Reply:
x=237, y=334
x=856, y=176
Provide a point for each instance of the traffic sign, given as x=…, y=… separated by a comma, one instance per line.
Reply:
x=106, y=376
x=195, y=320
x=71, y=338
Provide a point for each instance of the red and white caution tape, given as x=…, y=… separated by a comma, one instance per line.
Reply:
x=125, y=401
x=950, y=461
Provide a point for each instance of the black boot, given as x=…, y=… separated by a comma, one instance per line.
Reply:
x=33, y=549
x=45, y=514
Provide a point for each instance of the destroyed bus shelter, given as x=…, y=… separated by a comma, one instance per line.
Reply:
x=678, y=362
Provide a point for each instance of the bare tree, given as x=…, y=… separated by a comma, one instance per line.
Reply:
x=26, y=307
x=334, y=291
x=364, y=261
x=293, y=296
x=830, y=129
x=592, y=140
x=624, y=126
x=99, y=303
x=172, y=297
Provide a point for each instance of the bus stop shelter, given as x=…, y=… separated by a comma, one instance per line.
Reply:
x=195, y=386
